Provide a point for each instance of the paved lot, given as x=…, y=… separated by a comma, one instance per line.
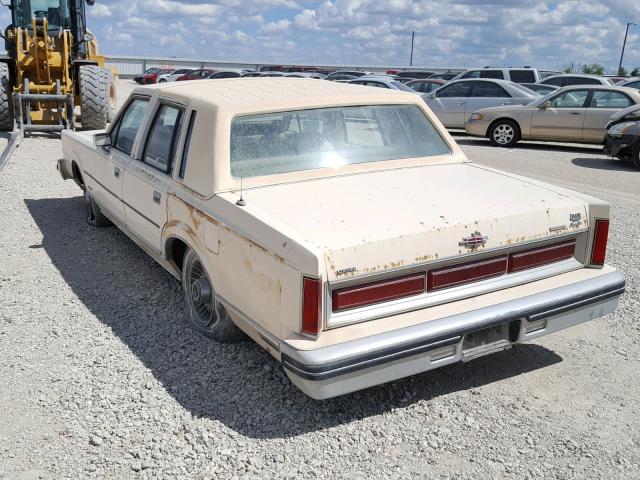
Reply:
x=101, y=377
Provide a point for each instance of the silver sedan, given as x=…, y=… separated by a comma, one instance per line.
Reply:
x=454, y=102
x=571, y=114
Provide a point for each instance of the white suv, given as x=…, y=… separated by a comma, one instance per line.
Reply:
x=517, y=75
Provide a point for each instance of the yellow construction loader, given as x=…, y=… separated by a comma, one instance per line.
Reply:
x=51, y=66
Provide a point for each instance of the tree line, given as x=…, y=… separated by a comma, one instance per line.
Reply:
x=597, y=69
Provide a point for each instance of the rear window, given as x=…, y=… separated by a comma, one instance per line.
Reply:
x=269, y=144
x=522, y=76
x=497, y=74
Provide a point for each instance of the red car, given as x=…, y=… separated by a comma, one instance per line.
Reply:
x=426, y=85
x=152, y=77
x=197, y=74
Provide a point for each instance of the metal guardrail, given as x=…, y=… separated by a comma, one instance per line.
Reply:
x=128, y=66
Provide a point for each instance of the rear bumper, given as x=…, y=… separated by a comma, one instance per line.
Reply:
x=346, y=367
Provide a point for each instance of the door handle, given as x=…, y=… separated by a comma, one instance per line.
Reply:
x=116, y=172
x=156, y=196
x=576, y=113
x=505, y=103
x=460, y=103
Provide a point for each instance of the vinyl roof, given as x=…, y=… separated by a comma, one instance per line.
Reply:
x=265, y=93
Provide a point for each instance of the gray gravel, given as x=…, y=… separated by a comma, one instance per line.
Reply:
x=100, y=377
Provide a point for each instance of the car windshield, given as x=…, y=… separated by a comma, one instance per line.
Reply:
x=55, y=11
x=269, y=144
x=524, y=89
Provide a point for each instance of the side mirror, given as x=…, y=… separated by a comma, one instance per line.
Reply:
x=102, y=139
x=429, y=96
x=545, y=105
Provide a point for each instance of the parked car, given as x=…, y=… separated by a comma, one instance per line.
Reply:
x=413, y=73
x=173, y=76
x=623, y=136
x=381, y=82
x=568, y=79
x=272, y=222
x=226, y=74
x=138, y=78
x=425, y=85
x=341, y=78
x=539, y=88
x=315, y=75
x=197, y=75
x=631, y=83
x=253, y=74
x=572, y=114
x=454, y=102
x=151, y=78
x=516, y=75
x=353, y=73
x=443, y=76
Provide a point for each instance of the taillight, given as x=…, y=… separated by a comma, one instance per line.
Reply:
x=375, y=292
x=600, y=236
x=311, y=291
x=536, y=257
x=466, y=273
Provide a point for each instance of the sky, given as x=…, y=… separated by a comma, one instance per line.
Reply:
x=449, y=33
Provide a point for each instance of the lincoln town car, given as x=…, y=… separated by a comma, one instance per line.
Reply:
x=340, y=227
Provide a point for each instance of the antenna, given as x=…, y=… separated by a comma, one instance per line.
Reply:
x=241, y=202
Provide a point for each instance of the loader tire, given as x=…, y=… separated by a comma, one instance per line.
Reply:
x=6, y=107
x=97, y=97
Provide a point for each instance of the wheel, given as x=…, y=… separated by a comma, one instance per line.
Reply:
x=6, y=105
x=97, y=96
x=635, y=156
x=163, y=80
x=504, y=133
x=95, y=217
x=206, y=314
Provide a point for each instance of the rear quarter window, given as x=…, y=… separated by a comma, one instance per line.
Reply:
x=522, y=76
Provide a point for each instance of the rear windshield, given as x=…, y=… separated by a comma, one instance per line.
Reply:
x=269, y=144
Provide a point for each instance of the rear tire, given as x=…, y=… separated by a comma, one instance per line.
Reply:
x=95, y=217
x=97, y=96
x=635, y=156
x=504, y=133
x=6, y=105
x=205, y=313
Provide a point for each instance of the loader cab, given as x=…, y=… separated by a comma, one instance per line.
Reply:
x=56, y=12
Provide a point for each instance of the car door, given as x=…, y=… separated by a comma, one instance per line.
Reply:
x=561, y=117
x=148, y=178
x=602, y=104
x=486, y=94
x=448, y=103
x=105, y=172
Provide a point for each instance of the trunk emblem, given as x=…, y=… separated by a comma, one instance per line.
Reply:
x=473, y=241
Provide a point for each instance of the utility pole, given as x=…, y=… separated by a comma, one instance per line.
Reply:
x=624, y=44
x=413, y=34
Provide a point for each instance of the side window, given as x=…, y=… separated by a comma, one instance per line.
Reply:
x=419, y=87
x=522, y=76
x=553, y=81
x=377, y=84
x=488, y=89
x=582, y=81
x=129, y=124
x=471, y=74
x=633, y=85
x=607, y=99
x=497, y=74
x=160, y=148
x=572, y=99
x=187, y=142
x=461, y=89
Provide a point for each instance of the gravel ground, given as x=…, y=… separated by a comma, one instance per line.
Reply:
x=100, y=377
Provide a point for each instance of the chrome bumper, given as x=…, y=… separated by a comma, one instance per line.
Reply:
x=350, y=366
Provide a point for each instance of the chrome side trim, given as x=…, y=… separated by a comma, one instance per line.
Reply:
x=363, y=353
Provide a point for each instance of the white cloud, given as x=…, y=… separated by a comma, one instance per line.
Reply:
x=99, y=10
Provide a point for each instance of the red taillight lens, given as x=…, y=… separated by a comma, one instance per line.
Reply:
x=311, y=322
x=600, y=236
x=466, y=273
x=375, y=292
x=537, y=257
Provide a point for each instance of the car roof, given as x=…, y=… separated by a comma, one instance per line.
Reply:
x=585, y=75
x=429, y=80
x=253, y=94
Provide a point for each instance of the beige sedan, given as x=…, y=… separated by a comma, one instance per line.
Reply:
x=572, y=114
